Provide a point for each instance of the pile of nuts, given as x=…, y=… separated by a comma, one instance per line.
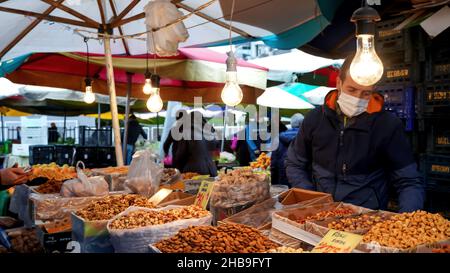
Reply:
x=239, y=187
x=286, y=249
x=51, y=186
x=143, y=218
x=408, y=230
x=25, y=241
x=167, y=175
x=443, y=249
x=227, y=238
x=111, y=205
x=337, y=212
x=359, y=222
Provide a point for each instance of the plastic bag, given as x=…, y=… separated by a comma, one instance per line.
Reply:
x=137, y=240
x=144, y=174
x=84, y=186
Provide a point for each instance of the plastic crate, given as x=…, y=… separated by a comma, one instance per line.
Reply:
x=436, y=170
x=399, y=99
x=41, y=154
x=86, y=154
x=437, y=135
x=64, y=154
x=438, y=202
x=438, y=58
x=434, y=99
x=388, y=39
x=95, y=137
x=106, y=156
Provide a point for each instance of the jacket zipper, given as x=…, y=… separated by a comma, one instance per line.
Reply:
x=344, y=165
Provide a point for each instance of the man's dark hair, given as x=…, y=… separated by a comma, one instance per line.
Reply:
x=346, y=67
x=132, y=116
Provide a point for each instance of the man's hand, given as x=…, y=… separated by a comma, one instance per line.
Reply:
x=12, y=176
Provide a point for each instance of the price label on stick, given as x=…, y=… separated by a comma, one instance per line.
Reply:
x=204, y=193
x=336, y=241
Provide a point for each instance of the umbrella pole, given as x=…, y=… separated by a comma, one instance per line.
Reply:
x=224, y=128
x=64, y=130
x=3, y=137
x=99, y=113
x=127, y=113
x=112, y=99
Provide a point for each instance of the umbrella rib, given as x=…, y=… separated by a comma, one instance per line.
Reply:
x=102, y=12
x=124, y=12
x=71, y=11
x=215, y=21
x=26, y=31
x=43, y=16
x=124, y=42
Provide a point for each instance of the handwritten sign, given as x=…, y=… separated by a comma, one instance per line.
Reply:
x=204, y=193
x=336, y=241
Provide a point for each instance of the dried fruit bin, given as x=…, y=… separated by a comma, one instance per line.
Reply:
x=286, y=220
x=320, y=227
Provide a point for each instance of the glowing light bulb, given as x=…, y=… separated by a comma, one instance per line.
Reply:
x=147, y=86
x=232, y=93
x=89, y=96
x=154, y=102
x=366, y=68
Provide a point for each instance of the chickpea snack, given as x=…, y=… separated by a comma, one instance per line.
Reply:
x=134, y=229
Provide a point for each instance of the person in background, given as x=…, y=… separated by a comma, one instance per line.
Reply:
x=353, y=149
x=53, y=134
x=277, y=165
x=170, y=142
x=10, y=177
x=19, y=138
x=195, y=155
x=134, y=131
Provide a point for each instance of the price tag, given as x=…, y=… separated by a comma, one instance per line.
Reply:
x=204, y=192
x=336, y=241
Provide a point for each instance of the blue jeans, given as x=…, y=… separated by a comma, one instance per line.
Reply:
x=130, y=149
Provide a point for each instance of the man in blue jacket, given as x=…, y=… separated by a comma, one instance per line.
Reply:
x=353, y=149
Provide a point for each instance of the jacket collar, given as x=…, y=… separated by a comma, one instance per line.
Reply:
x=361, y=122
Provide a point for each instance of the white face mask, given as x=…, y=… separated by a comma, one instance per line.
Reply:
x=352, y=106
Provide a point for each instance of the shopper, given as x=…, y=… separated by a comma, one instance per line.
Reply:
x=11, y=176
x=53, y=134
x=277, y=166
x=134, y=130
x=193, y=155
x=354, y=150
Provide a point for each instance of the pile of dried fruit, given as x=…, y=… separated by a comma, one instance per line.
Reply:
x=337, y=212
x=285, y=249
x=52, y=172
x=359, y=222
x=143, y=218
x=408, y=230
x=51, y=186
x=113, y=170
x=228, y=238
x=25, y=241
x=111, y=205
x=167, y=175
x=262, y=162
x=189, y=175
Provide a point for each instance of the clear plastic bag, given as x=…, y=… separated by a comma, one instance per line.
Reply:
x=84, y=186
x=137, y=240
x=144, y=174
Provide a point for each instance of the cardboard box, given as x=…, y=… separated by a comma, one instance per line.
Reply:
x=295, y=196
x=54, y=242
x=92, y=236
x=175, y=198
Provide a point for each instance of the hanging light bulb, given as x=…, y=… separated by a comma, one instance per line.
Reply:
x=232, y=93
x=89, y=96
x=366, y=68
x=154, y=102
x=148, y=84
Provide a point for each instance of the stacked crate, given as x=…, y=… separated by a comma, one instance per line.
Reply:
x=416, y=88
